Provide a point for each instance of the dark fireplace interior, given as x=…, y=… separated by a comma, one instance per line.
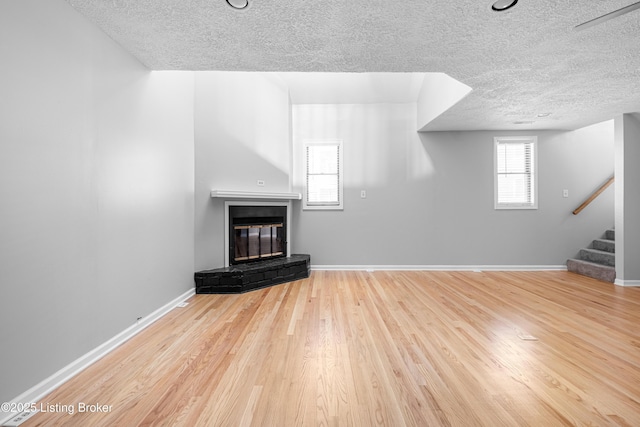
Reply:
x=257, y=233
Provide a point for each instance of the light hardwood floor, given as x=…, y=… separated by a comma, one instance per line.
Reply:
x=382, y=348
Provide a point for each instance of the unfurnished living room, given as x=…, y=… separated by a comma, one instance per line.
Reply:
x=296, y=213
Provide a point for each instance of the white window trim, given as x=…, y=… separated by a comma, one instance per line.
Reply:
x=340, y=204
x=515, y=139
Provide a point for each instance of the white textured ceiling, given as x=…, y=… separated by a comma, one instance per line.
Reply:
x=520, y=63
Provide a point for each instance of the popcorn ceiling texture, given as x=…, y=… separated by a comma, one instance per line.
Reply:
x=520, y=63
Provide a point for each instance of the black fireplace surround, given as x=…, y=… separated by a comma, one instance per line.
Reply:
x=257, y=233
x=246, y=277
x=258, y=255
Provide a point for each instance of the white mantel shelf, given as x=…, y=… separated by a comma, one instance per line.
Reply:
x=226, y=194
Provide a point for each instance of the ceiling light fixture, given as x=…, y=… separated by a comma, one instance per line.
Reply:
x=502, y=5
x=544, y=114
x=238, y=4
x=606, y=17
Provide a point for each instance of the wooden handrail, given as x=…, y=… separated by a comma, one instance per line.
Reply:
x=594, y=195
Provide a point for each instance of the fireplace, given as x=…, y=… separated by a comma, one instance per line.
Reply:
x=256, y=233
x=257, y=251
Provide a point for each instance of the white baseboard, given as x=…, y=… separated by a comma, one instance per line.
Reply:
x=440, y=267
x=629, y=283
x=46, y=386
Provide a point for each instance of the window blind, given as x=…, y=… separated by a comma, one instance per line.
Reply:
x=515, y=173
x=323, y=174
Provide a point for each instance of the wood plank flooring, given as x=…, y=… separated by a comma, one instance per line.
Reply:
x=382, y=348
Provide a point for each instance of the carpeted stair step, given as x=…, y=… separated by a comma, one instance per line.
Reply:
x=597, y=271
x=598, y=257
x=610, y=235
x=604, y=245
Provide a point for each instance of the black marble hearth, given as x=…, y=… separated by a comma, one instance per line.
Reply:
x=247, y=277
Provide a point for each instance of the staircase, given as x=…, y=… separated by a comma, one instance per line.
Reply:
x=598, y=261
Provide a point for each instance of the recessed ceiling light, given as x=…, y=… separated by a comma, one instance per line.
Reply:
x=238, y=4
x=544, y=114
x=502, y=5
x=524, y=122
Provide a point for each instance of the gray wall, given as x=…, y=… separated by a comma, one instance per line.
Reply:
x=242, y=135
x=96, y=181
x=430, y=195
x=627, y=148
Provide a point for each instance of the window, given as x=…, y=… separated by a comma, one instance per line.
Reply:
x=515, y=173
x=323, y=175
